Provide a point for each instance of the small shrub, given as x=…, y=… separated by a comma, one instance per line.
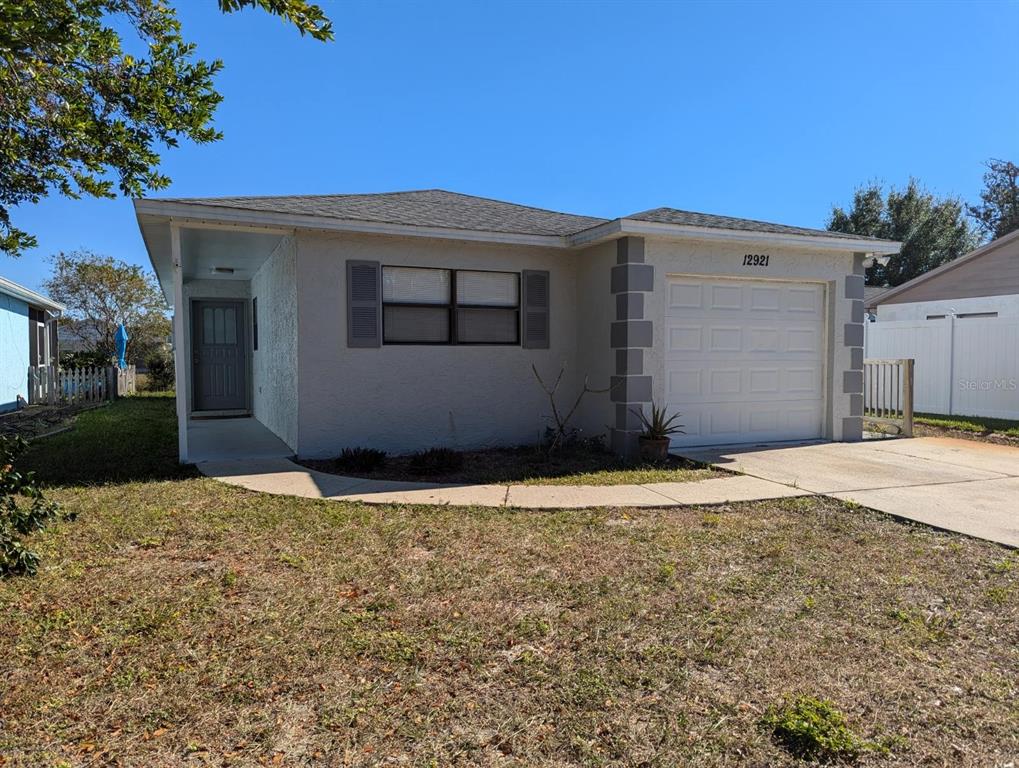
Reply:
x=85, y=359
x=159, y=367
x=814, y=729
x=360, y=459
x=17, y=520
x=436, y=461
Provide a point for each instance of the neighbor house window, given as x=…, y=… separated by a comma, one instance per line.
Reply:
x=446, y=306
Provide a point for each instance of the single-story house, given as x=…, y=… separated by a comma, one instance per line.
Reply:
x=982, y=283
x=28, y=337
x=413, y=319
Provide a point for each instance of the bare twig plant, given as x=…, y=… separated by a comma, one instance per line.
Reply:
x=561, y=433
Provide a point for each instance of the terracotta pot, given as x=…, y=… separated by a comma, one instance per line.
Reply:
x=654, y=450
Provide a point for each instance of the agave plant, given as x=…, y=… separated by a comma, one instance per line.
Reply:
x=660, y=426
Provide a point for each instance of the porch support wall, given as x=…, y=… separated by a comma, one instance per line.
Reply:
x=180, y=351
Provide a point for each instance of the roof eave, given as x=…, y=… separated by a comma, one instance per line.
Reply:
x=976, y=253
x=621, y=227
x=212, y=214
x=29, y=296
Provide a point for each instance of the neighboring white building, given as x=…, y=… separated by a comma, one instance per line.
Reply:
x=960, y=322
x=412, y=319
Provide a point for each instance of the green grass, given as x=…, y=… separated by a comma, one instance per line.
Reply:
x=181, y=621
x=975, y=424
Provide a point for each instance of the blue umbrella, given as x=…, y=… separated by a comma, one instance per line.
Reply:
x=120, y=339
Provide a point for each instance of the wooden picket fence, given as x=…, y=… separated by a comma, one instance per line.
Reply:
x=888, y=393
x=48, y=384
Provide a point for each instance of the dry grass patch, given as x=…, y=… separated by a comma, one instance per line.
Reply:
x=185, y=622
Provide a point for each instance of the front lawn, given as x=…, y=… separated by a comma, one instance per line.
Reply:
x=180, y=621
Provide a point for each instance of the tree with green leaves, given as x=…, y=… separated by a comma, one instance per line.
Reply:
x=100, y=293
x=932, y=230
x=81, y=116
x=998, y=211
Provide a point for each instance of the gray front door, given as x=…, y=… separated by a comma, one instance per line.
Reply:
x=219, y=355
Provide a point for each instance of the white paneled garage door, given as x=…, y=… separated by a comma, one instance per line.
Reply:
x=744, y=359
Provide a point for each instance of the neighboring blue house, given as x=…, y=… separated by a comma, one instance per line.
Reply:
x=28, y=336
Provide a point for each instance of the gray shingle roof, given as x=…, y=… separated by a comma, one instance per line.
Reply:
x=693, y=219
x=422, y=208
x=452, y=210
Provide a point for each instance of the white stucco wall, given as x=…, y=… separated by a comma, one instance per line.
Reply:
x=211, y=289
x=405, y=398
x=274, y=364
x=684, y=257
x=596, y=310
x=1005, y=306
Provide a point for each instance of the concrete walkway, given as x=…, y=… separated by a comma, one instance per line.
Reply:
x=282, y=476
x=958, y=485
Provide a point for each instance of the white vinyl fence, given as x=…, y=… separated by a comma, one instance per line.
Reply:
x=964, y=366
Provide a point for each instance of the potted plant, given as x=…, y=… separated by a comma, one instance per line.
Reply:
x=654, y=440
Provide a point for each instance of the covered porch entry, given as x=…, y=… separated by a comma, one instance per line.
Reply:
x=236, y=376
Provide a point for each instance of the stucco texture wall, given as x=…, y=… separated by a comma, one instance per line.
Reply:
x=596, y=309
x=684, y=257
x=407, y=398
x=274, y=363
x=13, y=351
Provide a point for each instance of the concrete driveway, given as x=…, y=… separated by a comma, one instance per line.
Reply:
x=958, y=485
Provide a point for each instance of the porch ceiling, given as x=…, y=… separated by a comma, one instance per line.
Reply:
x=204, y=248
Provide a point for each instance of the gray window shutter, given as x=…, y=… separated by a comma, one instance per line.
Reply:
x=535, y=309
x=364, y=304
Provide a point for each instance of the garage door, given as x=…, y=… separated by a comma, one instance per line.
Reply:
x=744, y=359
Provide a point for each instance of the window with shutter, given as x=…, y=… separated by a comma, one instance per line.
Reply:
x=443, y=306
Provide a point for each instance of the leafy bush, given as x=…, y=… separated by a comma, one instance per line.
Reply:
x=85, y=359
x=360, y=459
x=160, y=371
x=18, y=520
x=814, y=729
x=436, y=461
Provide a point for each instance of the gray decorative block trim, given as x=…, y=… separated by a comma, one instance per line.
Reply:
x=633, y=277
x=624, y=443
x=853, y=335
x=626, y=418
x=630, y=250
x=629, y=362
x=629, y=306
x=854, y=287
x=632, y=333
x=852, y=382
x=630, y=389
x=856, y=405
x=858, y=268
x=852, y=429
x=856, y=315
x=856, y=359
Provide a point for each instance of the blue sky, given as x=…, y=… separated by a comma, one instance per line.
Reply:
x=769, y=111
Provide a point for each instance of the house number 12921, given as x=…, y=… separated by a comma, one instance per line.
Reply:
x=756, y=260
